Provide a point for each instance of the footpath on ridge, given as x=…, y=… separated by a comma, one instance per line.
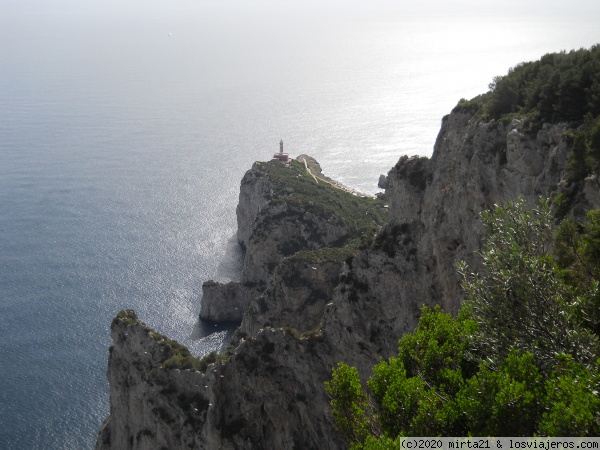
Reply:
x=314, y=169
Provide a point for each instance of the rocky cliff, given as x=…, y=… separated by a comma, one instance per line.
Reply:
x=283, y=210
x=324, y=292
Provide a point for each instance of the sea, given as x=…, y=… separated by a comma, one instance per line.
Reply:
x=126, y=127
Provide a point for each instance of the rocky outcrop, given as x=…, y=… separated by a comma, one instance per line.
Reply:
x=296, y=298
x=225, y=302
x=236, y=402
x=256, y=191
x=272, y=225
x=152, y=407
x=434, y=222
x=284, y=228
x=314, y=311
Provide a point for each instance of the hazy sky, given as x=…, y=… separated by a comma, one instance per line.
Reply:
x=422, y=6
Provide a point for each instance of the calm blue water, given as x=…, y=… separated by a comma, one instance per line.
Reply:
x=124, y=133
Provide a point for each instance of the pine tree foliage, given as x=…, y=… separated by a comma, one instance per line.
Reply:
x=559, y=87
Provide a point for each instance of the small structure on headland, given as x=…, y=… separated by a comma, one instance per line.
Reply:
x=282, y=157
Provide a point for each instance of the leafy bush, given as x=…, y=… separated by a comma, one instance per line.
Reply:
x=520, y=301
x=349, y=403
x=412, y=390
x=473, y=106
x=578, y=258
x=520, y=359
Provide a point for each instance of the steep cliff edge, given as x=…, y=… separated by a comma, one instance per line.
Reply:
x=316, y=304
x=152, y=404
x=259, y=396
x=434, y=206
x=283, y=210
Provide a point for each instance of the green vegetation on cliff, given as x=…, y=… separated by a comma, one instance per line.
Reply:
x=560, y=87
x=295, y=186
x=520, y=359
x=176, y=356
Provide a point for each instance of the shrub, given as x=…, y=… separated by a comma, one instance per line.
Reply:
x=520, y=359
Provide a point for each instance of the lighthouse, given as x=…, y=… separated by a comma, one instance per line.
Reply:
x=281, y=157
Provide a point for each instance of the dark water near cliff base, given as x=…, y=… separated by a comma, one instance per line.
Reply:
x=124, y=133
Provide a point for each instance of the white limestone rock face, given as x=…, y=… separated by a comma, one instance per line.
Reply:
x=225, y=302
x=283, y=229
x=434, y=222
x=271, y=394
x=152, y=407
x=270, y=228
x=262, y=397
x=255, y=192
x=296, y=298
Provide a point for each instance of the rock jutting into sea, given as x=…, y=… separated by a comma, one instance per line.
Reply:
x=281, y=211
x=328, y=276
